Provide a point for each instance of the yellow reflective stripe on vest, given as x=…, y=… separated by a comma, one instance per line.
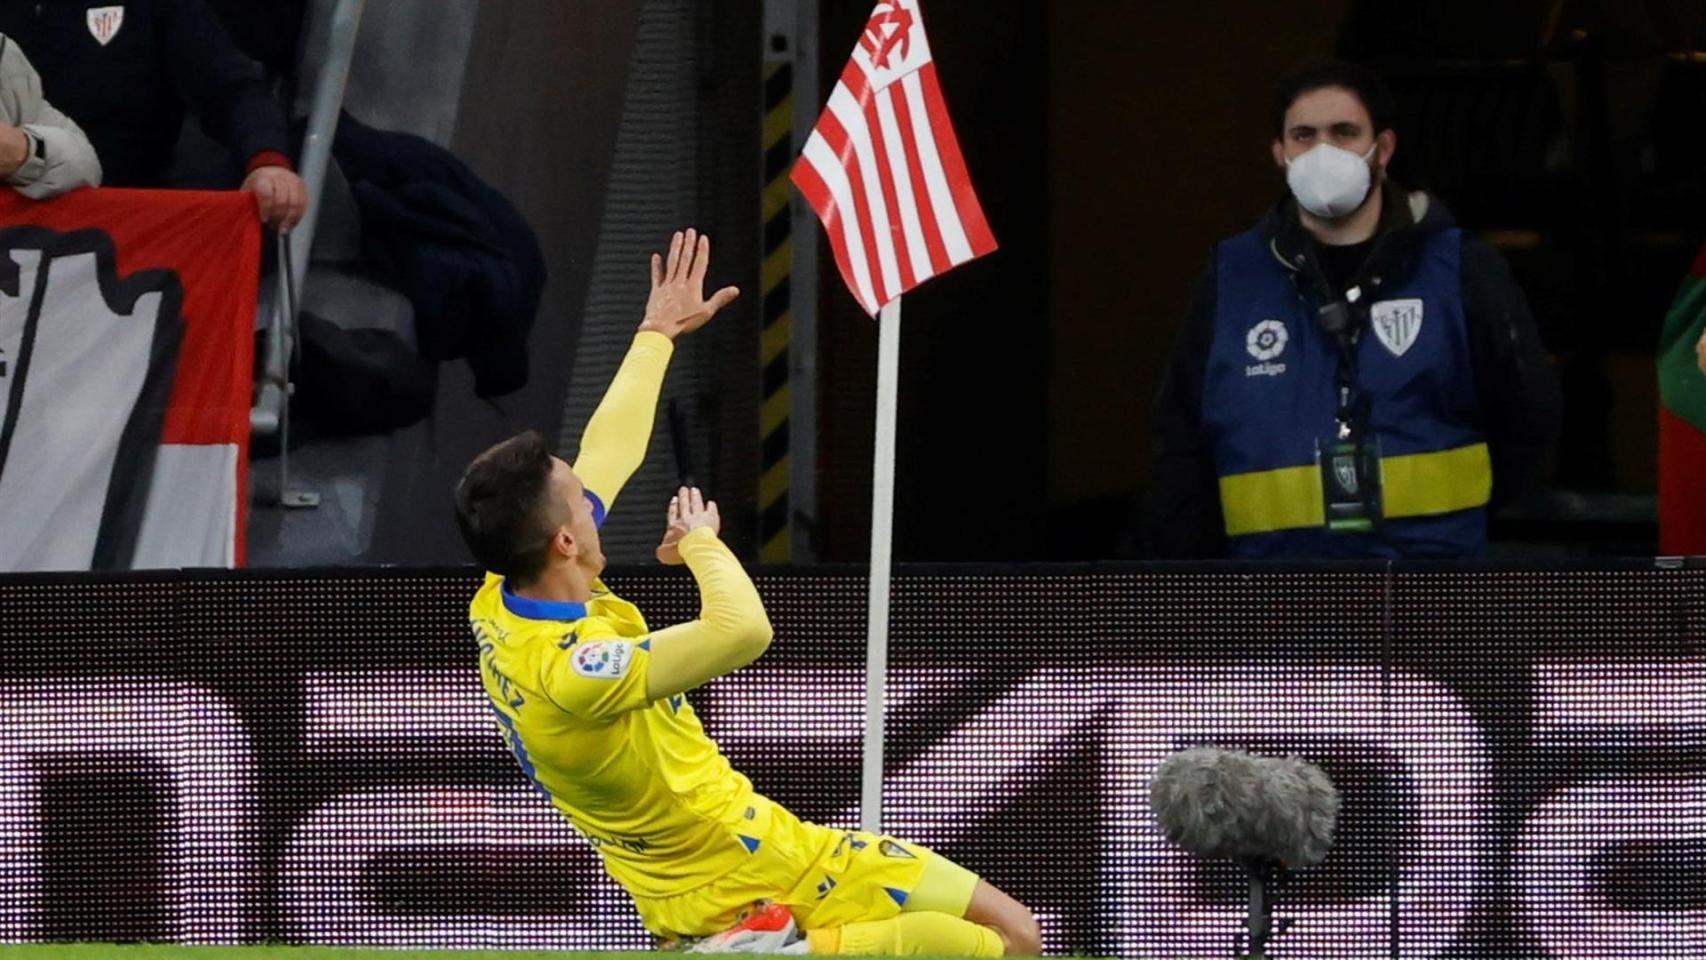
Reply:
x=1413, y=485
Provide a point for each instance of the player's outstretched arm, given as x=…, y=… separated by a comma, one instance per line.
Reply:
x=614, y=443
x=732, y=629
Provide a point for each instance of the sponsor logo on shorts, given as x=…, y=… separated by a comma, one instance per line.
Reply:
x=849, y=838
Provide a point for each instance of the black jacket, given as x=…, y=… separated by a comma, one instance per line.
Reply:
x=1519, y=396
x=130, y=94
x=457, y=248
x=268, y=30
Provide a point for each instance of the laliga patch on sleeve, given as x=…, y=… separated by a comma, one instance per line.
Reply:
x=603, y=659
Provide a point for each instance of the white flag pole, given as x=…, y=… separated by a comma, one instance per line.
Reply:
x=882, y=542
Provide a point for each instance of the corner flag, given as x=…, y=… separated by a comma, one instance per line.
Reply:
x=883, y=170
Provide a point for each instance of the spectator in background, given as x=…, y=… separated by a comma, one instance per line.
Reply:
x=1356, y=378
x=1682, y=417
x=42, y=152
x=127, y=72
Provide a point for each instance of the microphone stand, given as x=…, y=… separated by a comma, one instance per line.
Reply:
x=1266, y=876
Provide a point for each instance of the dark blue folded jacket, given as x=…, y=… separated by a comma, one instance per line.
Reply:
x=458, y=249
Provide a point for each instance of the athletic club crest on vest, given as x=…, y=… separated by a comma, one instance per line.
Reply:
x=104, y=23
x=1396, y=324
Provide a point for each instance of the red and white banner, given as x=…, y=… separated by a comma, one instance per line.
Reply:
x=126, y=368
x=883, y=170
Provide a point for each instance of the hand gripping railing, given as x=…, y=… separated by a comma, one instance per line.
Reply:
x=271, y=412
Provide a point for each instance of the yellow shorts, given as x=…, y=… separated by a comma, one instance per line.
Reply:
x=828, y=878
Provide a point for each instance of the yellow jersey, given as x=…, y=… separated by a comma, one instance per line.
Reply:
x=638, y=778
x=642, y=782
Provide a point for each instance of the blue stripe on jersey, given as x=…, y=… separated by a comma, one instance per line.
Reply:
x=598, y=510
x=541, y=609
x=512, y=739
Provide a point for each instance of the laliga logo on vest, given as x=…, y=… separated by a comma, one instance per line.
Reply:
x=1265, y=341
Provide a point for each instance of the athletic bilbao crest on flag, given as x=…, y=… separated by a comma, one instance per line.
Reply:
x=126, y=327
x=104, y=23
x=883, y=170
x=892, y=45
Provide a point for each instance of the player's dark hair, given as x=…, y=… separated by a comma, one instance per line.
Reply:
x=1364, y=82
x=503, y=509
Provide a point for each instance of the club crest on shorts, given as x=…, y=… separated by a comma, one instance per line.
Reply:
x=104, y=23
x=1396, y=324
x=603, y=659
x=889, y=848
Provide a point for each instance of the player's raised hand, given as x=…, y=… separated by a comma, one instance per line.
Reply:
x=677, y=304
x=688, y=511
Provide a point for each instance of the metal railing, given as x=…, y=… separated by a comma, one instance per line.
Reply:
x=271, y=413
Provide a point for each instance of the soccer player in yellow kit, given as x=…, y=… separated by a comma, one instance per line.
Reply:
x=593, y=703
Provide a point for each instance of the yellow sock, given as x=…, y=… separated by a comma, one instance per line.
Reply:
x=910, y=933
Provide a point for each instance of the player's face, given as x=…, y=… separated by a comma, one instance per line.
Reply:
x=571, y=501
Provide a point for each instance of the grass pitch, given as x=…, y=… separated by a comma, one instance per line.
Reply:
x=107, y=951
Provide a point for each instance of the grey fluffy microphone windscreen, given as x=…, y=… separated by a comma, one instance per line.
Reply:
x=1228, y=803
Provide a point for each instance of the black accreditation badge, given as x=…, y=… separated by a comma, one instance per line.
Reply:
x=1350, y=483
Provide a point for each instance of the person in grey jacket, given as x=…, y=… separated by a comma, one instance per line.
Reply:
x=130, y=71
x=43, y=152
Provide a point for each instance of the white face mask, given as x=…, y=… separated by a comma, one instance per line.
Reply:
x=1329, y=181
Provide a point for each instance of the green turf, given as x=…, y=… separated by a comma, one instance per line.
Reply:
x=104, y=951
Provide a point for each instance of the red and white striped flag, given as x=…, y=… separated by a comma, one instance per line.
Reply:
x=883, y=170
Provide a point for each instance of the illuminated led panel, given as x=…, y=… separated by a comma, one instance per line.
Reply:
x=307, y=757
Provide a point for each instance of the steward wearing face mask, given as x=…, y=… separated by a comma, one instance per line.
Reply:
x=1357, y=377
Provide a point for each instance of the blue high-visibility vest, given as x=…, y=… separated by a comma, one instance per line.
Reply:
x=1270, y=399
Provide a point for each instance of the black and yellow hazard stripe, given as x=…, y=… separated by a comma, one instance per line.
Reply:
x=774, y=516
